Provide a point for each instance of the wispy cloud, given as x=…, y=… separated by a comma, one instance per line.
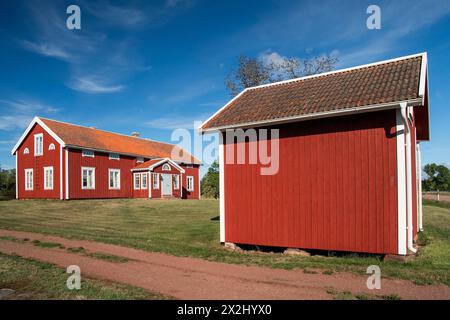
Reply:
x=21, y=111
x=88, y=85
x=175, y=122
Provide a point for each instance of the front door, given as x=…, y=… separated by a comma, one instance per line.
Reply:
x=166, y=184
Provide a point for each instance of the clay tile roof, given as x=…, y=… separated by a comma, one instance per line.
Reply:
x=385, y=82
x=85, y=137
x=147, y=164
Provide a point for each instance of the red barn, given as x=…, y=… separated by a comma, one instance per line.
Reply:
x=57, y=160
x=348, y=171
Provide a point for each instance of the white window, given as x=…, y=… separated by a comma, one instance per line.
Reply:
x=87, y=153
x=26, y=151
x=166, y=167
x=114, y=179
x=155, y=181
x=48, y=178
x=51, y=146
x=114, y=156
x=190, y=183
x=28, y=179
x=137, y=181
x=176, y=182
x=38, y=144
x=144, y=181
x=139, y=160
x=87, y=178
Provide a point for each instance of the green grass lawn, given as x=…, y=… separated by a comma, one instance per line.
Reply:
x=191, y=228
x=36, y=280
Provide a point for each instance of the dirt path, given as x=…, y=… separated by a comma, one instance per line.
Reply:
x=190, y=278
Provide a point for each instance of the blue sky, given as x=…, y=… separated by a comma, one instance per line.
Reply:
x=152, y=66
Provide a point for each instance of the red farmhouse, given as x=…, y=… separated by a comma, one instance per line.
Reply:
x=349, y=160
x=65, y=161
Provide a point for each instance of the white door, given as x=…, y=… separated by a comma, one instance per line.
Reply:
x=166, y=187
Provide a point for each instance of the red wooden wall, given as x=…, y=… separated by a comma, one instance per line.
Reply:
x=102, y=163
x=336, y=188
x=195, y=172
x=156, y=193
x=29, y=161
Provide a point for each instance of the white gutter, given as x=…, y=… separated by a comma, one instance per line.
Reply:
x=403, y=110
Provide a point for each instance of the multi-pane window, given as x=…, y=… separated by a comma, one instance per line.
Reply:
x=190, y=183
x=114, y=156
x=87, y=178
x=48, y=178
x=166, y=167
x=176, y=182
x=155, y=179
x=144, y=181
x=137, y=181
x=114, y=179
x=28, y=179
x=38, y=144
x=51, y=146
x=87, y=153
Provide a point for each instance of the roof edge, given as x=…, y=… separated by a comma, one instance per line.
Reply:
x=318, y=115
x=421, y=54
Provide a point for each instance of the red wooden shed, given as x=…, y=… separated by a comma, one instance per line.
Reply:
x=348, y=175
x=65, y=161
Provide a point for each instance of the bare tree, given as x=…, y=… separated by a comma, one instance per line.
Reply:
x=253, y=71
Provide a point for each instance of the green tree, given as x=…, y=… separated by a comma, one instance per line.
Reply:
x=8, y=182
x=438, y=178
x=210, y=182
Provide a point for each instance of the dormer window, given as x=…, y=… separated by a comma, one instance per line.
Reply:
x=140, y=160
x=26, y=151
x=51, y=146
x=38, y=144
x=88, y=153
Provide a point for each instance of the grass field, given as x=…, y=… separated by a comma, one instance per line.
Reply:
x=36, y=280
x=191, y=228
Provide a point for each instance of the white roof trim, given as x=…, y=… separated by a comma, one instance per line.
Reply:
x=423, y=74
x=28, y=129
x=318, y=115
x=423, y=55
x=162, y=161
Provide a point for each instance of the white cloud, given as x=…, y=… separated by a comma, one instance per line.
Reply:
x=271, y=58
x=89, y=85
x=46, y=49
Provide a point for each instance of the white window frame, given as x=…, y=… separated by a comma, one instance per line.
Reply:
x=176, y=182
x=144, y=186
x=48, y=181
x=114, y=156
x=166, y=167
x=29, y=184
x=116, y=184
x=155, y=179
x=26, y=151
x=190, y=183
x=38, y=145
x=138, y=185
x=88, y=153
x=92, y=187
x=51, y=146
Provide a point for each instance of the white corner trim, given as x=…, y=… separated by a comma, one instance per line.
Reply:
x=222, y=187
x=17, y=176
x=28, y=129
x=67, y=173
x=401, y=185
x=423, y=74
x=419, y=191
x=61, y=195
x=149, y=184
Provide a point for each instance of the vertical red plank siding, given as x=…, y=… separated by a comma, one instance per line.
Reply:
x=139, y=193
x=336, y=188
x=101, y=163
x=50, y=158
x=176, y=193
x=194, y=171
